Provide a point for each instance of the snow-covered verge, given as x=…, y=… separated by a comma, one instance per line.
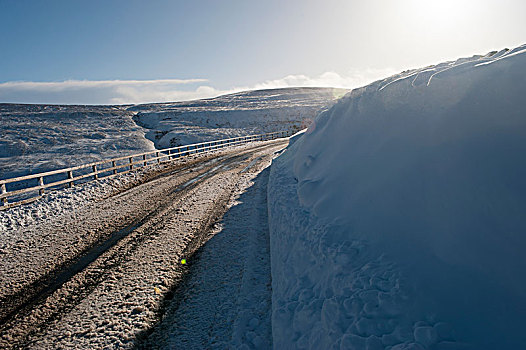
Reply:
x=37, y=138
x=249, y=112
x=397, y=220
x=57, y=202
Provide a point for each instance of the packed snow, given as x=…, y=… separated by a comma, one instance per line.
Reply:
x=225, y=302
x=57, y=202
x=397, y=220
x=114, y=300
x=250, y=112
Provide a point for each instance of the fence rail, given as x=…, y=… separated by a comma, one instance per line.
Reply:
x=111, y=167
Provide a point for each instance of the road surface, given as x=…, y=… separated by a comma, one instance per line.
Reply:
x=102, y=276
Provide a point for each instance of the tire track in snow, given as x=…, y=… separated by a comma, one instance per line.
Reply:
x=48, y=283
x=225, y=300
x=31, y=329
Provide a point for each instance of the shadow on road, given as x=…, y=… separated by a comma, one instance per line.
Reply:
x=224, y=299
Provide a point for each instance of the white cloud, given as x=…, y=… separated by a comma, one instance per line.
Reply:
x=353, y=79
x=165, y=90
x=68, y=84
x=101, y=91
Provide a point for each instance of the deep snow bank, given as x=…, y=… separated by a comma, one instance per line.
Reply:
x=403, y=207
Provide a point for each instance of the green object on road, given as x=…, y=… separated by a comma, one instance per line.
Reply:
x=183, y=261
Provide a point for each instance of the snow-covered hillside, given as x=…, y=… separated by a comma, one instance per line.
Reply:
x=233, y=115
x=37, y=138
x=397, y=220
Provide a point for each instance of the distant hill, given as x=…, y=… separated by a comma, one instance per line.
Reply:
x=233, y=115
x=38, y=138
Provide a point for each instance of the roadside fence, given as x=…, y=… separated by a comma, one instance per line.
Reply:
x=35, y=185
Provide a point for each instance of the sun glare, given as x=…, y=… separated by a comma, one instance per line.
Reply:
x=441, y=15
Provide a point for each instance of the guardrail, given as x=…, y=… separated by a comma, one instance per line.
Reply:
x=114, y=166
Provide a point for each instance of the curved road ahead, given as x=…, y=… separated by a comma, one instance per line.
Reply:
x=101, y=276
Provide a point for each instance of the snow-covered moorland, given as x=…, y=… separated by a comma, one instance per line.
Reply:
x=248, y=112
x=36, y=138
x=397, y=220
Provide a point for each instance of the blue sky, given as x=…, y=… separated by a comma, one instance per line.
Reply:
x=101, y=51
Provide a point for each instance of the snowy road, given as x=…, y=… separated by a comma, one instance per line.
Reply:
x=225, y=302
x=101, y=276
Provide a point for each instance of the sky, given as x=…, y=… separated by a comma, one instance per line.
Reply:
x=130, y=51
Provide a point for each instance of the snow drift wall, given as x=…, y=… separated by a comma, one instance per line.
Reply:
x=427, y=170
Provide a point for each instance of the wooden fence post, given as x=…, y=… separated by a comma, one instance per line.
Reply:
x=41, y=183
x=157, y=156
x=70, y=176
x=144, y=158
x=131, y=163
x=113, y=165
x=2, y=191
x=95, y=174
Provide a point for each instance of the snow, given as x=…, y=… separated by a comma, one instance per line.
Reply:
x=57, y=202
x=115, y=300
x=397, y=219
x=225, y=301
x=37, y=138
x=251, y=112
